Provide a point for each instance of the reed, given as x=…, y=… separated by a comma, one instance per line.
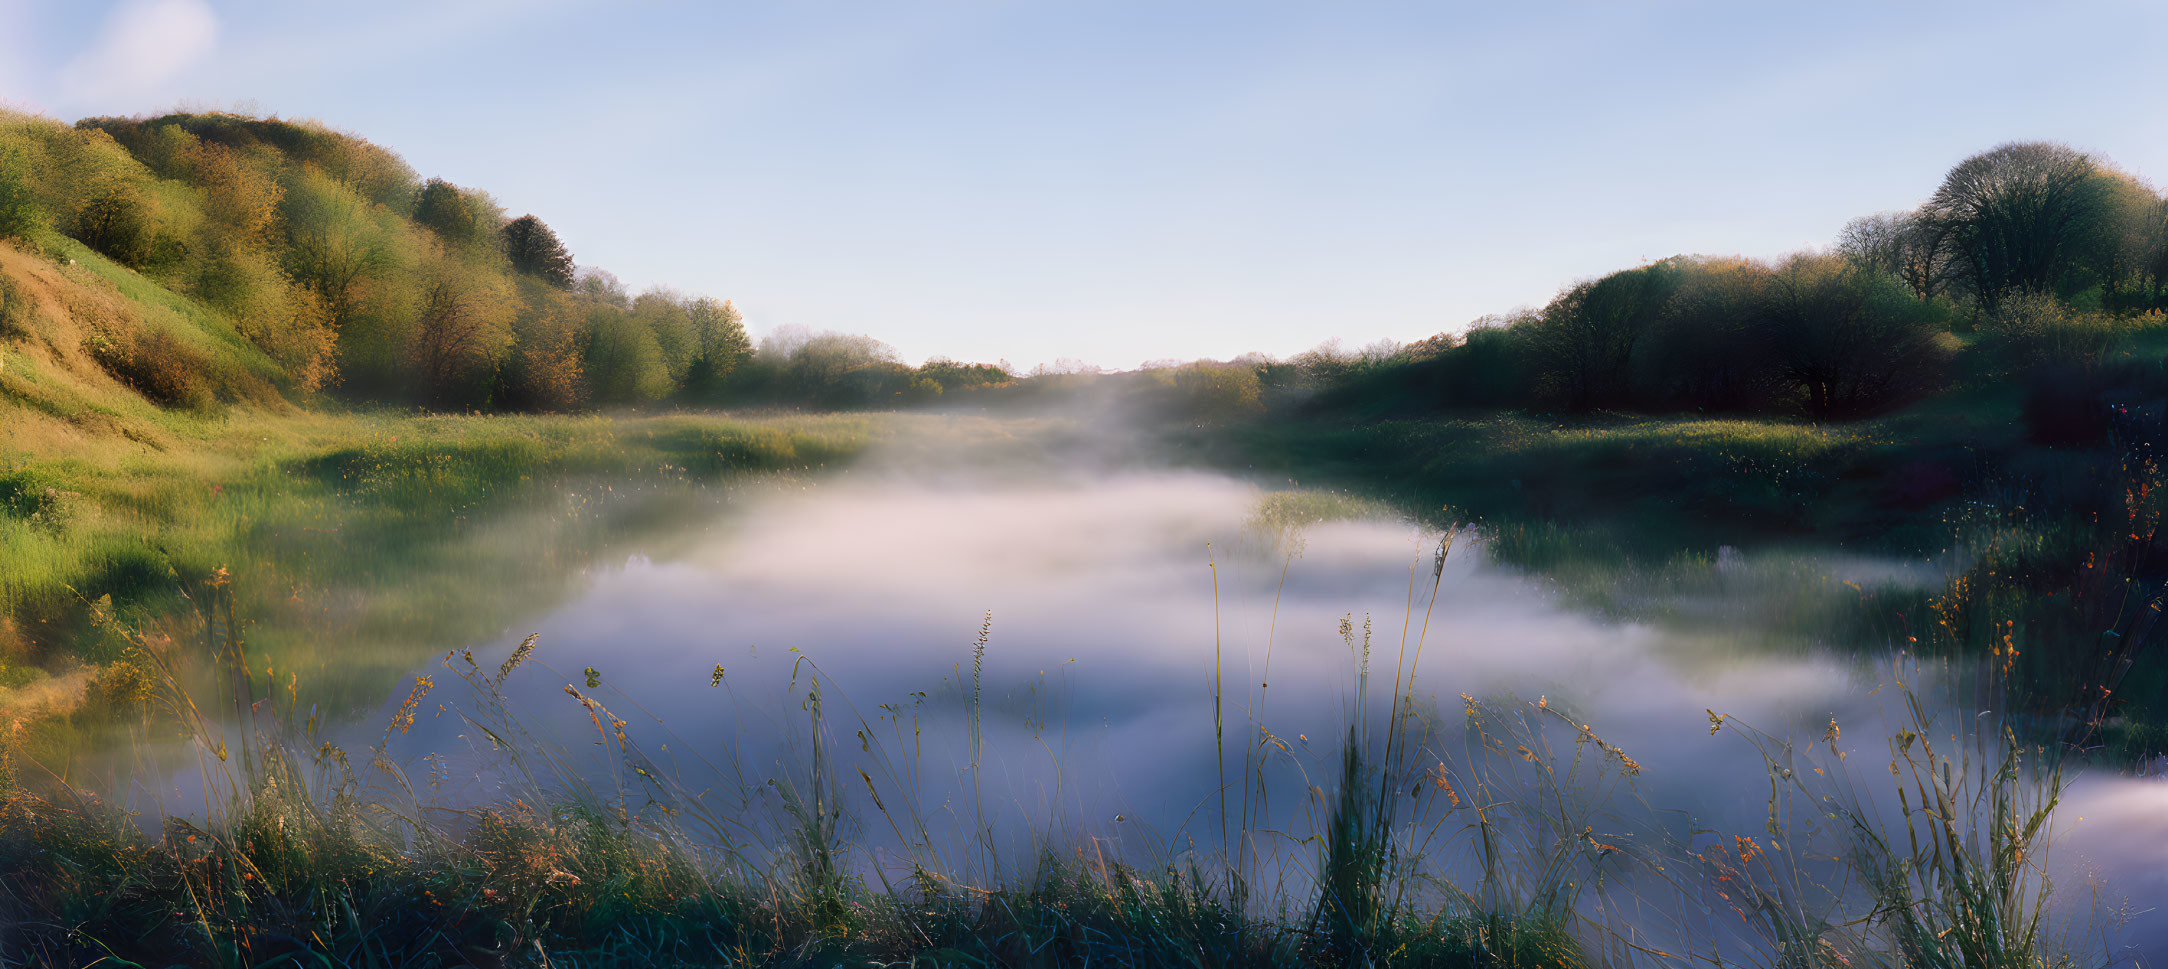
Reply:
x=1515, y=838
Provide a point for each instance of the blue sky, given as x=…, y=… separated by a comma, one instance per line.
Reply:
x=1119, y=182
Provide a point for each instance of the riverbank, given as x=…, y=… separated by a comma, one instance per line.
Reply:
x=342, y=534
x=2036, y=553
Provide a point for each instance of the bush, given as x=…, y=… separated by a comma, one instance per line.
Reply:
x=620, y=359
x=20, y=217
x=1213, y=391
x=116, y=222
x=2035, y=329
x=156, y=364
x=27, y=497
x=1849, y=341
x=1583, y=344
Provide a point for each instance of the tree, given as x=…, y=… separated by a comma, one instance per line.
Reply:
x=459, y=331
x=667, y=315
x=1583, y=343
x=113, y=221
x=336, y=244
x=1850, y=340
x=457, y=216
x=1706, y=352
x=543, y=370
x=2123, y=250
x=2018, y=217
x=723, y=344
x=602, y=286
x=620, y=359
x=2153, y=256
x=1907, y=245
x=238, y=195
x=19, y=215
x=535, y=250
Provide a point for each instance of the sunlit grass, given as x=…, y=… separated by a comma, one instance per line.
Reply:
x=344, y=529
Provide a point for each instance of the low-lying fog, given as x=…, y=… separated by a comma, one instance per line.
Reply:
x=1108, y=590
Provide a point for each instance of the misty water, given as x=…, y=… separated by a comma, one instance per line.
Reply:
x=1121, y=589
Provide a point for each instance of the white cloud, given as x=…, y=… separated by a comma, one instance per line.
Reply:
x=143, y=45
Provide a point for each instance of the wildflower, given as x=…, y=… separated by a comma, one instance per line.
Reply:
x=404, y=719
x=1443, y=781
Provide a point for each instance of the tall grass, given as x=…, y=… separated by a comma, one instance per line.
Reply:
x=1516, y=836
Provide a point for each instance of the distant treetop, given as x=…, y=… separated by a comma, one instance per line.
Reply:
x=535, y=250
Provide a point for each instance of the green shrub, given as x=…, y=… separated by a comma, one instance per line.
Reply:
x=2034, y=328
x=116, y=221
x=26, y=496
x=20, y=216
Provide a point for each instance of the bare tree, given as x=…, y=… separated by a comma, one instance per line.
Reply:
x=2017, y=217
x=1907, y=245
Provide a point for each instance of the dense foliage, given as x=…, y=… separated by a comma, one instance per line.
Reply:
x=2028, y=256
x=367, y=283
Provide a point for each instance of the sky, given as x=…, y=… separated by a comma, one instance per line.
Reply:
x=1117, y=182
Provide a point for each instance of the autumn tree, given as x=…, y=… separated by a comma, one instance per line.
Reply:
x=460, y=328
x=535, y=250
x=543, y=370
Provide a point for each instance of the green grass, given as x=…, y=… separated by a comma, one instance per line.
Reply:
x=360, y=542
x=231, y=354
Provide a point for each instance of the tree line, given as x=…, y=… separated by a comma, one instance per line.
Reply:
x=2028, y=259
x=366, y=282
